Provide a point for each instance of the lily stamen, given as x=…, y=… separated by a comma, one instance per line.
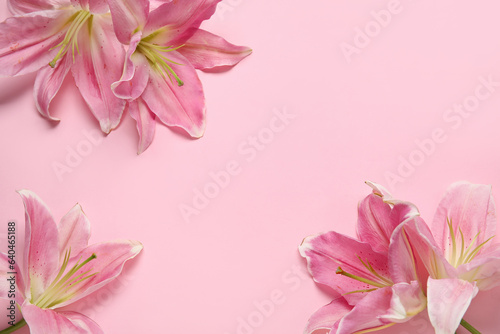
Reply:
x=374, y=272
x=340, y=271
x=71, y=37
x=65, y=288
x=467, y=254
x=153, y=53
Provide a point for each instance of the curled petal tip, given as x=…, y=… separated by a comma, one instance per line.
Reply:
x=136, y=246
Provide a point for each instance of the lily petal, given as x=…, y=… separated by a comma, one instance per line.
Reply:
x=448, y=299
x=6, y=268
x=175, y=19
x=374, y=223
x=153, y=4
x=327, y=317
x=26, y=41
x=47, y=84
x=205, y=50
x=484, y=270
x=108, y=264
x=40, y=260
x=183, y=106
x=128, y=16
x=379, y=190
x=402, y=261
x=74, y=231
x=365, y=314
x=43, y=321
x=427, y=249
x=327, y=252
x=97, y=69
x=18, y=7
x=379, y=214
x=93, y=6
x=146, y=123
x=135, y=73
x=407, y=301
x=470, y=209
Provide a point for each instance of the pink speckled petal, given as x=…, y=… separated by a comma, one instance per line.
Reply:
x=325, y=253
x=41, y=260
x=470, y=208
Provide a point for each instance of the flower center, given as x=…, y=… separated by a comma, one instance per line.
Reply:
x=378, y=280
x=155, y=55
x=467, y=253
x=71, y=38
x=63, y=288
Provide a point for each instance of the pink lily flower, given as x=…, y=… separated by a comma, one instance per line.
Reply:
x=458, y=252
x=54, y=37
x=165, y=46
x=376, y=275
x=60, y=268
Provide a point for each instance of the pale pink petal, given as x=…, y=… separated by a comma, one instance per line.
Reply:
x=48, y=82
x=41, y=259
x=46, y=321
x=94, y=6
x=98, y=6
x=365, y=314
x=205, y=50
x=129, y=16
x=377, y=219
x=402, y=261
x=146, y=123
x=135, y=73
x=328, y=316
x=98, y=66
x=447, y=301
x=17, y=7
x=471, y=209
x=153, y=4
x=484, y=270
x=26, y=41
x=74, y=231
x=407, y=301
x=7, y=272
x=379, y=190
x=327, y=252
x=174, y=19
x=108, y=264
x=182, y=106
x=427, y=250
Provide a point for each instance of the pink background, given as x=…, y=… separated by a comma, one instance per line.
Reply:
x=355, y=118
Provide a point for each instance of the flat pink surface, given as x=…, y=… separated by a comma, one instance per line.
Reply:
x=414, y=105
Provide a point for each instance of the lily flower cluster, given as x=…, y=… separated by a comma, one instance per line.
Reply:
x=399, y=266
x=140, y=53
x=59, y=268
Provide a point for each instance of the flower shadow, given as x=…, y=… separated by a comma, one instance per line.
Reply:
x=12, y=88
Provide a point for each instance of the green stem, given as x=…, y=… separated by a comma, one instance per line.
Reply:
x=465, y=324
x=14, y=328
